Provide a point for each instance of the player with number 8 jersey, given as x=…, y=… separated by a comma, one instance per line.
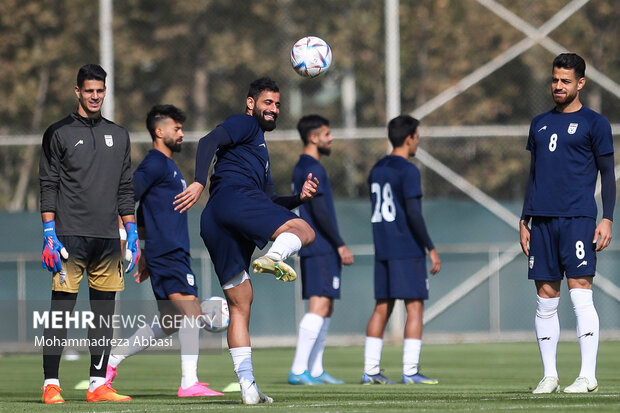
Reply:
x=569, y=146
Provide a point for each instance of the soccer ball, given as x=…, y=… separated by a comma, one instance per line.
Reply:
x=311, y=56
x=215, y=314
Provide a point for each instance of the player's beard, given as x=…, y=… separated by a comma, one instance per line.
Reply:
x=173, y=145
x=564, y=100
x=265, y=125
x=325, y=150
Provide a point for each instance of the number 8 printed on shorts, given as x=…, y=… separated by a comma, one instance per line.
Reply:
x=384, y=206
x=580, y=251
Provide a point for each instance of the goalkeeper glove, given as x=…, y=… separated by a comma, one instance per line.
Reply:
x=50, y=258
x=132, y=251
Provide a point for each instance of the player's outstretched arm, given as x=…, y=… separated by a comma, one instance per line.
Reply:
x=602, y=234
x=435, y=261
x=524, y=232
x=186, y=199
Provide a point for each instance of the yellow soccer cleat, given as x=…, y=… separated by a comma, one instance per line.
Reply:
x=280, y=269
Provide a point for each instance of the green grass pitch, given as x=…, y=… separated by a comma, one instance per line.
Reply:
x=473, y=377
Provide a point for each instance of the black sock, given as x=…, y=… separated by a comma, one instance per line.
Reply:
x=102, y=305
x=62, y=302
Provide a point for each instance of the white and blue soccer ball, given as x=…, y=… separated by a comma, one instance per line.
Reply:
x=311, y=56
x=215, y=314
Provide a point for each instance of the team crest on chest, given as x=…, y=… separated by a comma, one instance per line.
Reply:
x=108, y=140
x=572, y=128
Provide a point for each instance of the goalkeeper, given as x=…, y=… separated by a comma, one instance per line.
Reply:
x=85, y=181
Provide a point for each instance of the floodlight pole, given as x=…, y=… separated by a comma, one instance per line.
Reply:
x=392, y=59
x=396, y=325
x=106, y=53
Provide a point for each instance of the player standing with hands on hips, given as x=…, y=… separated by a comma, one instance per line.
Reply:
x=401, y=241
x=321, y=262
x=85, y=178
x=569, y=146
x=243, y=212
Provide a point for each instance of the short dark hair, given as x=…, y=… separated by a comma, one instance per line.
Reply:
x=309, y=123
x=90, y=71
x=571, y=61
x=161, y=112
x=400, y=127
x=259, y=85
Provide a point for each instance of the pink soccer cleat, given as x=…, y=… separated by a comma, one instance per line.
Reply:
x=198, y=390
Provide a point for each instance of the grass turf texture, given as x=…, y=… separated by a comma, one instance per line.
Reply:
x=473, y=377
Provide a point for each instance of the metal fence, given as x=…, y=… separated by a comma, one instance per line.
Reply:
x=480, y=295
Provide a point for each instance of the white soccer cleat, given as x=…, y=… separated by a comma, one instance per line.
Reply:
x=548, y=384
x=582, y=385
x=252, y=395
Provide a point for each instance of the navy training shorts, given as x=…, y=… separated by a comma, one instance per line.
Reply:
x=320, y=275
x=561, y=246
x=235, y=221
x=401, y=279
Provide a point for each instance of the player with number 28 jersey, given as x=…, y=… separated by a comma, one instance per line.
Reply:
x=401, y=241
x=392, y=181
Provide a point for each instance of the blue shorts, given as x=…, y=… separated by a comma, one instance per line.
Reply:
x=171, y=273
x=235, y=221
x=403, y=279
x=561, y=246
x=320, y=275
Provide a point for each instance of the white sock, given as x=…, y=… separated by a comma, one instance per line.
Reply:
x=411, y=355
x=189, y=367
x=242, y=363
x=189, y=337
x=95, y=382
x=48, y=382
x=309, y=328
x=139, y=341
x=284, y=245
x=587, y=331
x=315, y=362
x=547, y=326
x=372, y=355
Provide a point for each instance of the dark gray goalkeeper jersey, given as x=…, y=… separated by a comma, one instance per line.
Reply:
x=85, y=176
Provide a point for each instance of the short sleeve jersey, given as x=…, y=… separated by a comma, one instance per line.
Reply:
x=307, y=164
x=564, y=148
x=156, y=181
x=392, y=181
x=246, y=161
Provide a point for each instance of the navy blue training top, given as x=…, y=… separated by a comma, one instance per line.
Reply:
x=392, y=181
x=564, y=148
x=321, y=245
x=155, y=183
x=246, y=161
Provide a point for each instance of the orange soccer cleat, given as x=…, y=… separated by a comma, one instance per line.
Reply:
x=105, y=393
x=51, y=394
